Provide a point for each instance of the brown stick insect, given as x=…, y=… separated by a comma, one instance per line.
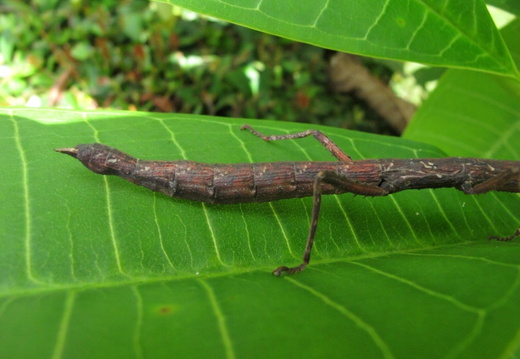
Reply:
x=271, y=181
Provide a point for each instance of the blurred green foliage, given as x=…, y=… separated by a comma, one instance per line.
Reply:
x=147, y=56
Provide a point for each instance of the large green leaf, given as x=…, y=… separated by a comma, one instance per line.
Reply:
x=448, y=33
x=94, y=266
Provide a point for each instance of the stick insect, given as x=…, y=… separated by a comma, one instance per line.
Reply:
x=271, y=181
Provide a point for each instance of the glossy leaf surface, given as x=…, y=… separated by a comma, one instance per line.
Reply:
x=93, y=266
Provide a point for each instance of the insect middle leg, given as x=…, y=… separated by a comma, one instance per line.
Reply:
x=320, y=136
x=339, y=181
x=492, y=184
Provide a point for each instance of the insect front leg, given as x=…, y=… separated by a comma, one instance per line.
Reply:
x=341, y=182
x=320, y=136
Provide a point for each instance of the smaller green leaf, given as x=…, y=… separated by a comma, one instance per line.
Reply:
x=511, y=6
x=473, y=114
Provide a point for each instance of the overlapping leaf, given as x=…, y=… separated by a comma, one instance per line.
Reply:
x=449, y=33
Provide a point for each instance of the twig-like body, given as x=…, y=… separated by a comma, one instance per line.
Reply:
x=271, y=181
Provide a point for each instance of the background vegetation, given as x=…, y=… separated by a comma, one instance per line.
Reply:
x=137, y=55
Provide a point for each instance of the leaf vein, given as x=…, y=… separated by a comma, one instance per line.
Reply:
x=221, y=319
x=379, y=342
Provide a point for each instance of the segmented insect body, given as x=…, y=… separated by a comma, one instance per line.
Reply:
x=270, y=181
